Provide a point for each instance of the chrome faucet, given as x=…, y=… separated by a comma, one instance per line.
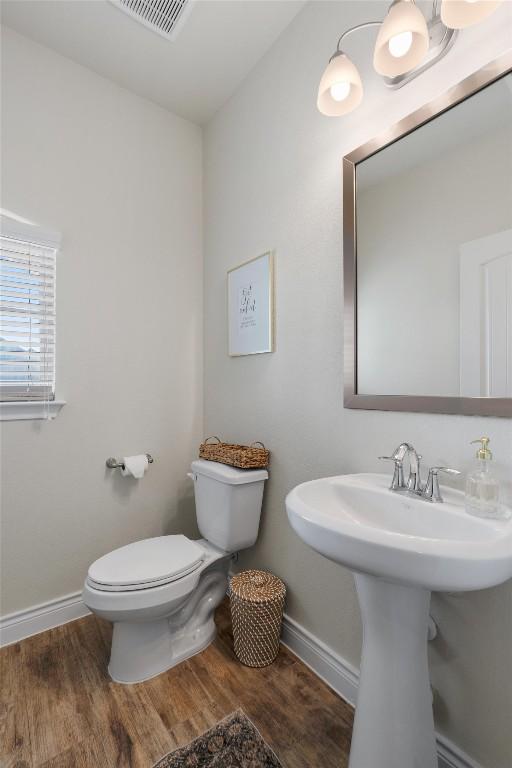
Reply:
x=398, y=456
x=428, y=492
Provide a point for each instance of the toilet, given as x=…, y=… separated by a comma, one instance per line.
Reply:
x=161, y=593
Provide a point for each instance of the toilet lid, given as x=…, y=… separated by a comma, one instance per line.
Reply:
x=147, y=563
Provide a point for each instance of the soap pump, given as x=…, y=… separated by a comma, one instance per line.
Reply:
x=482, y=486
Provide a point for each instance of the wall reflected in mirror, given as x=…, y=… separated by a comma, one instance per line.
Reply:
x=434, y=255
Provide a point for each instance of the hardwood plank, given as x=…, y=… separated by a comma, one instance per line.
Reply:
x=15, y=746
x=114, y=711
x=86, y=754
x=185, y=732
x=224, y=698
x=176, y=695
x=55, y=703
x=59, y=708
x=138, y=723
x=255, y=691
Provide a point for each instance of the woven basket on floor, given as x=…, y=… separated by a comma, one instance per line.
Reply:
x=257, y=603
x=254, y=456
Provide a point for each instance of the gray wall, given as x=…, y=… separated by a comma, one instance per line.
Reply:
x=121, y=180
x=409, y=262
x=273, y=180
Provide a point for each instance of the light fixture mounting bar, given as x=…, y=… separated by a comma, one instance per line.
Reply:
x=356, y=28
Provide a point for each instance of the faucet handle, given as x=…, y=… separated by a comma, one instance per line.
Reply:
x=432, y=490
x=398, y=475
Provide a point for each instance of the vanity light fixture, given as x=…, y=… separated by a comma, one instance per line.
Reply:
x=459, y=14
x=407, y=44
x=341, y=89
x=403, y=39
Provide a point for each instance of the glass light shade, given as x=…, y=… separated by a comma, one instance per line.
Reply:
x=340, y=91
x=339, y=72
x=458, y=14
x=402, y=17
x=399, y=44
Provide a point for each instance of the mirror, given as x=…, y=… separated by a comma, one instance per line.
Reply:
x=428, y=257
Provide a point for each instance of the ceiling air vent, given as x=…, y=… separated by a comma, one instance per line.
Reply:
x=163, y=16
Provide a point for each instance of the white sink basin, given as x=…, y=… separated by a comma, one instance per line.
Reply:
x=400, y=548
x=357, y=521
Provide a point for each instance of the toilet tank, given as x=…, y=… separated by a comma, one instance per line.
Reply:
x=228, y=503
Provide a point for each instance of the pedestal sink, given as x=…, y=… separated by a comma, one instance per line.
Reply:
x=400, y=548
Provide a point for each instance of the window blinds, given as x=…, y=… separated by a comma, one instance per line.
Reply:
x=27, y=320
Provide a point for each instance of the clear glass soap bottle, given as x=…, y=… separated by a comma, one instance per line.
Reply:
x=482, y=485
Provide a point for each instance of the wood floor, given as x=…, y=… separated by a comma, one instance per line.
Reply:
x=59, y=708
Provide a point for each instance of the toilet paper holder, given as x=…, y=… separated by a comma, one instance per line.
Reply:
x=116, y=464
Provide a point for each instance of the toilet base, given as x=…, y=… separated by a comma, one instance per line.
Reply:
x=143, y=649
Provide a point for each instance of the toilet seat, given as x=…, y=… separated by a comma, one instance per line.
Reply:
x=145, y=564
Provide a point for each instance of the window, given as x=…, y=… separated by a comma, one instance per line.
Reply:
x=27, y=313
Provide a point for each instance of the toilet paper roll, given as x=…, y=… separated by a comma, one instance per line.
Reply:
x=135, y=466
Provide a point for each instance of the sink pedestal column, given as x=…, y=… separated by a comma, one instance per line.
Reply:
x=394, y=725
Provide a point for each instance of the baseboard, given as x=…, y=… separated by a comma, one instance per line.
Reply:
x=343, y=678
x=332, y=668
x=450, y=756
x=32, y=621
x=339, y=675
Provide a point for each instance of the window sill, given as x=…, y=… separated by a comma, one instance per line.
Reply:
x=34, y=410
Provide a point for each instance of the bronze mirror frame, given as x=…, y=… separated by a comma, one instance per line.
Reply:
x=470, y=406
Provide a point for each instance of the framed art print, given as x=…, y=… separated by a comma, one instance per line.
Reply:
x=251, y=307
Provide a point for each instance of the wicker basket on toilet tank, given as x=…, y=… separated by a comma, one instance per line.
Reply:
x=254, y=456
x=257, y=604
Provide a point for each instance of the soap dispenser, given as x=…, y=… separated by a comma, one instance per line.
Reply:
x=482, y=486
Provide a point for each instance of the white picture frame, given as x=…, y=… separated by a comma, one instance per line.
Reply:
x=250, y=289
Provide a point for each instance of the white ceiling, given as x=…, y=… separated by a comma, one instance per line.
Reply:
x=218, y=45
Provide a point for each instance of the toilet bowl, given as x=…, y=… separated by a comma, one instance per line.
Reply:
x=161, y=593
